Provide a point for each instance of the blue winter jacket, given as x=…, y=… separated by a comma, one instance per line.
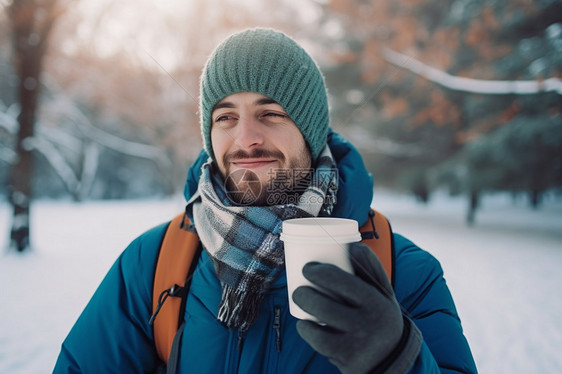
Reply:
x=113, y=335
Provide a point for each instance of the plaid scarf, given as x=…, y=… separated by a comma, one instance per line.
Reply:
x=243, y=241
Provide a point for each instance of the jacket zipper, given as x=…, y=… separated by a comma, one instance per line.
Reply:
x=277, y=328
x=272, y=364
x=240, y=343
x=235, y=350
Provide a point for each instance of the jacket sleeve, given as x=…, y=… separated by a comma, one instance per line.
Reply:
x=112, y=335
x=422, y=292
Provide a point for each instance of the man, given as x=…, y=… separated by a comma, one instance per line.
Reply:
x=265, y=127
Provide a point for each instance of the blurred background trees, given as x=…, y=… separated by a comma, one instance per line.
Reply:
x=117, y=115
x=418, y=135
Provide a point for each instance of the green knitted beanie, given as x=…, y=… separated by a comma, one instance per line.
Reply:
x=270, y=63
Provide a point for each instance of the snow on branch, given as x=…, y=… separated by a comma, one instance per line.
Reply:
x=59, y=137
x=57, y=161
x=90, y=166
x=8, y=155
x=492, y=87
x=8, y=117
x=102, y=137
x=385, y=146
x=124, y=146
x=9, y=123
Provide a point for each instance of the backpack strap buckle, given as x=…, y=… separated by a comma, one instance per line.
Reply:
x=174, y=291
x=370, y=234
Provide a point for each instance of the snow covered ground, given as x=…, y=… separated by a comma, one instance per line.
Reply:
x=504, y=274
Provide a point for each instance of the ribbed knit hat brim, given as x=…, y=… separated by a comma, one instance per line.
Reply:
x=270, y=63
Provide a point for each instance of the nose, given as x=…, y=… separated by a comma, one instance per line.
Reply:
x=248, y=132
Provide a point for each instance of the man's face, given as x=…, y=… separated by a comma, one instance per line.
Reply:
x=258, y=148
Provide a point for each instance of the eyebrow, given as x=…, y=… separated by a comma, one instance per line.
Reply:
x=228, y=104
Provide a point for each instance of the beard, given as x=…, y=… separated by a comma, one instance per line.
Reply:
x=280, y=186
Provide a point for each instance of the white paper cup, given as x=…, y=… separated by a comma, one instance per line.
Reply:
x=324, y=240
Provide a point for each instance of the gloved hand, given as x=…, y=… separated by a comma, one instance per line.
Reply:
x=364, y=329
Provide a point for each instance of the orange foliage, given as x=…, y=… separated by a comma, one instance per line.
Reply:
x=526, y=5
x=438, y=57
x=489, y=19
x=476, y=34
x=509, y=113
x=480, y=127
x=340, y=6
x=369, y=76
x=371, y=62
x=441, y=48
x=489, y=124
x=372, y=51
x=467, y=136
x=422, y=117
x=394, y=106
x=422, y=84
x=342, y=58
x=448, y=38
x=440, y=111
x=493, y=52
x=405, y=35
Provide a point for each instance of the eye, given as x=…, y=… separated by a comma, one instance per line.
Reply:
x=224, y=118
x=275, y=115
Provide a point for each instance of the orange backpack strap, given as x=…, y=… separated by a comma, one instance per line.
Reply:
x=377, y=234
x=179, y=248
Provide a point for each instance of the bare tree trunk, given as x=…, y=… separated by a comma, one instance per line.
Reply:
x=472, y=207
x=535, y=198
x=22, y=170
x=31, y=23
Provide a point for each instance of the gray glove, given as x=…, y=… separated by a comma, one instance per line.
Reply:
x=364, y=331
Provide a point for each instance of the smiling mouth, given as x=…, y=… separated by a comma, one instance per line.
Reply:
x=250, y=164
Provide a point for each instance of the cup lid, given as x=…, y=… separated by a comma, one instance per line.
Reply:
x=321, y=229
